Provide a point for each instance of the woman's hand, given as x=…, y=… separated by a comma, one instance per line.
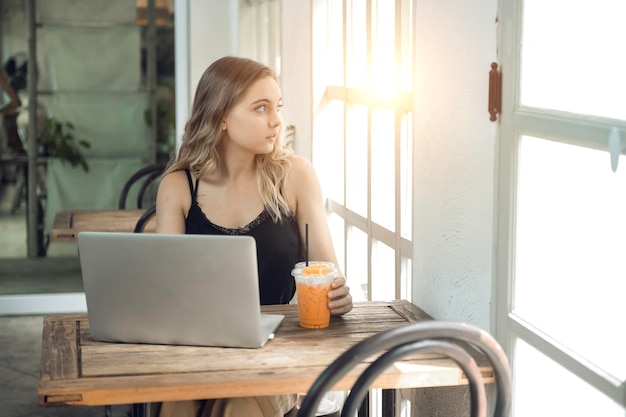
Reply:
x=340, y=298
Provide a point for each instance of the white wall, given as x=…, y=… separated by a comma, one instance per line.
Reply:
x=454, y=156
x=296, y=78
x=213, y=34
x=205, y=31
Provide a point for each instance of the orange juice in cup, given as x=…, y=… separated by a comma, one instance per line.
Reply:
x=312, y=286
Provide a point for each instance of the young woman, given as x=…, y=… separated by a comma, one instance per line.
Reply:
x=232, y=175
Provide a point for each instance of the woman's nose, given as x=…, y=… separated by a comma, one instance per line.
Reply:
x=275, y=119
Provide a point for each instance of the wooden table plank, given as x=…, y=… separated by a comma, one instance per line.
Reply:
x=67, y=224
x=79, y=371
x=62, y=350
x=223, y=384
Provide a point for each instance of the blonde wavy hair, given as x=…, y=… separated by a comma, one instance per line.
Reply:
x=222, y=85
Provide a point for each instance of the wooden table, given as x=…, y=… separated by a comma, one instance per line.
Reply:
x=67, y=224
x=75, y=370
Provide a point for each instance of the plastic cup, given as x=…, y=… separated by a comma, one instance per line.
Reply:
x=312, y=286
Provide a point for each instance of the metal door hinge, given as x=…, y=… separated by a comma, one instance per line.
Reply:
x=495, y=92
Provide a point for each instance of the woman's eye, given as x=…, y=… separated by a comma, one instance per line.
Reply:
x=263, y=107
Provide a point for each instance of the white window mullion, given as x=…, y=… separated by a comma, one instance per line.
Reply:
x=369, y=205
x=506, y=174
x=567, y=358
x=397, y=154
x=398, y=203
x=368, y=42
x=548, y=125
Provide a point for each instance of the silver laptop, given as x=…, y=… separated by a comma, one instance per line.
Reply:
x=199, y=290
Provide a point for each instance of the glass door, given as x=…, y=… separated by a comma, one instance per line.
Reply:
x=562, y=198
x=99, y=68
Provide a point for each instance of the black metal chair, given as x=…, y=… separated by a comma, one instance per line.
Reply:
x=147, y=178
x=144, y=219
x=447, y=338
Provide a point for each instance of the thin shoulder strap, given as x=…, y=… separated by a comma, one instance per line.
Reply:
x=193, y=190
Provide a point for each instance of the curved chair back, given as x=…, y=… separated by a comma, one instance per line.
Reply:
x=144, y=219
x=146, y=178
x=447, y=338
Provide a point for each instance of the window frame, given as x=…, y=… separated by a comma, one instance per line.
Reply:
x=517, y=121
x=402, y=105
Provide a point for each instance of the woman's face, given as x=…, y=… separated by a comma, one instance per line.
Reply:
x=253, y=123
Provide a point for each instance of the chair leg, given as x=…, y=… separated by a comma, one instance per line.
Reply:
x=140, y=410
x=364, y=409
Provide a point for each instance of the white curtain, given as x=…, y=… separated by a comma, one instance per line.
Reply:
x=89, y=55
x=89, y=58
x=259, y=31
x=110, y=11
x=112, y=123
x=69, y=190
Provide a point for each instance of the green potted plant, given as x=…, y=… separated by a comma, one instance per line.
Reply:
x=58, y=141
x=166, y=119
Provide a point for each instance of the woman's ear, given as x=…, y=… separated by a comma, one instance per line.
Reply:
x=223, y=124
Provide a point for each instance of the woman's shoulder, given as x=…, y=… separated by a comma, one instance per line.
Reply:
x=300, y=165
x=175, y=179
x=301, y=173
x=174, y=190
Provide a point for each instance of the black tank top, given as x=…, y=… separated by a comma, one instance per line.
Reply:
x=278, y=247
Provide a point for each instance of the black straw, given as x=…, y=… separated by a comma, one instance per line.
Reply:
x=306, y=244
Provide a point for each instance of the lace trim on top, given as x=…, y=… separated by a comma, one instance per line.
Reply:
x=261, y=218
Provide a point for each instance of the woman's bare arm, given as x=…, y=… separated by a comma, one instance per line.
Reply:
x=173, y=202
x=309, y=206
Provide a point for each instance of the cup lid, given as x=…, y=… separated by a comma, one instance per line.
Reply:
x=314, y=269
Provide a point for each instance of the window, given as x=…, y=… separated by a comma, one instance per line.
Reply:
x=561, y=275
x=362, y=68
x=259, y=32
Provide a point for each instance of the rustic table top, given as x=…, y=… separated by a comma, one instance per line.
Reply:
x=75, y=370
x=67, y=224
